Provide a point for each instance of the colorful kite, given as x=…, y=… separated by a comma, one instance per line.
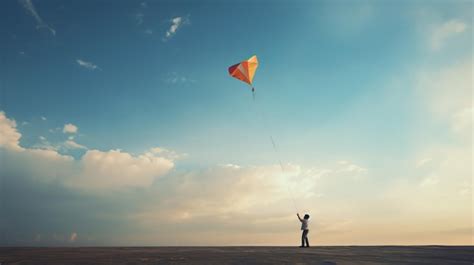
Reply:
x=245, y=71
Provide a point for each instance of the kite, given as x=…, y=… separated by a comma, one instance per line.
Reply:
x=245, y=70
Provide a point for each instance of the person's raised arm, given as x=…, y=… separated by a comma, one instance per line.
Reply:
x=297, y=214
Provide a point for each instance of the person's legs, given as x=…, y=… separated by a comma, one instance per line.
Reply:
x=302, y=239
x=306, y=238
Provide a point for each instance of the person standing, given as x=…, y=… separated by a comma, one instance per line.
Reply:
x=304, y=228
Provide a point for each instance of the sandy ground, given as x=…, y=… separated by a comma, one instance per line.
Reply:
x=239, y=255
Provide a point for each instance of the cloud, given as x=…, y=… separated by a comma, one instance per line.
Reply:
x=422, y=162
x=462, y=120
x=174, y=78
x=64, y=147
x=429, y=181
x=432, y=195
x=87, y=65
x=232, y=203
x=43, y=118
x=139, y=16
x=350, y=167
x=10, y=141
x=44, y=144
x=116, y=169
x=73, y=190
x=28, y=5
x=55, y=130
x=447, y=94
x=445, y=31
x=106, y=191
x=164, y=152
x=176, y=23
x=70, y=128
x=9, y=136
x=70, y=144
x=148, y=31
x=96, y=169
x=150, y=203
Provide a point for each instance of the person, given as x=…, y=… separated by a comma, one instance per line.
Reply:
x=304, y=228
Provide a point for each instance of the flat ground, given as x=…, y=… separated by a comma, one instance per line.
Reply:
x=239, y=255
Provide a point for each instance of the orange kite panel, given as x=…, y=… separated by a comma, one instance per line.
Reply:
x=245, y=70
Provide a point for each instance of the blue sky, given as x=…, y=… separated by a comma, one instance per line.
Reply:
x=355, y=86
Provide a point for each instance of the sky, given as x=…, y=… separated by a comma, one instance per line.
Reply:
x=120, y=125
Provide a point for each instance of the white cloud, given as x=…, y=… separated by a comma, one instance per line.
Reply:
x=9, y=136
x=174, y=78
x=231, y=189
x=65, y=146
x=422, y=162
x=48, y=154
x=70, y=128
x=57, y=129
x=116, y=169
x=431, y=196
x=231, y=166
x=176, y=23
x=43, y=118
x=139, y=16
x=46, y=145
x=70, y=144
x=429, y=181
x=437, y=191
x=445, y=31
x=164, y=152
x=226, y=190
x=87, y=65
x=463, y=120
x=355, y=170
x=95, y=171
x=28, y=5
x=465, y=188
x=447, y=93
x=113, y=169
x=10, y=141
x=248, y=203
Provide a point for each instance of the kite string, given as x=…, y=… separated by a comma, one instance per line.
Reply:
x=263, y=117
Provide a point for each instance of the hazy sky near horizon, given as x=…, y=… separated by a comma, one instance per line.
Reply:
x=119, y=124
